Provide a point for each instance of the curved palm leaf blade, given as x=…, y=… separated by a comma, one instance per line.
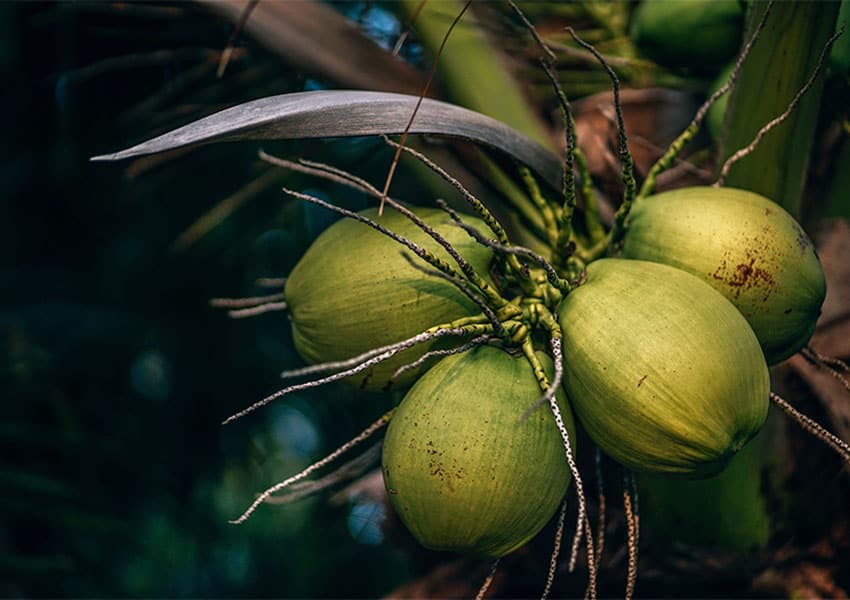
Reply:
x=343, y=113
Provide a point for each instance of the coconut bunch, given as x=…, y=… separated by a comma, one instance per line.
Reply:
x=656, y=331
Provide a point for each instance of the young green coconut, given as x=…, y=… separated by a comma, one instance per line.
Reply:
x=354, y=290
x=662, y=371
x=464, y=470
x=747, y=248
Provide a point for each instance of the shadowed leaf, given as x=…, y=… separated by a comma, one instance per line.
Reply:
x=336, y=113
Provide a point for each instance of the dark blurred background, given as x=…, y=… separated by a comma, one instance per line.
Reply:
x=116, y=477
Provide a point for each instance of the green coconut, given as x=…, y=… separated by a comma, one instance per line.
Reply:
x=747, y=248
x=354, y=291
x=662, y=371
x=697, y=34
x=463, y=470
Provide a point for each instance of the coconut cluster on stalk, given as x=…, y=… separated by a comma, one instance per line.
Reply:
x=656, y=332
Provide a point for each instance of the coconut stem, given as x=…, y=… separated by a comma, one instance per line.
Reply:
x=482, y=591
x=628, y=170
x=664, y=163
x=743, y=152
x=388, y=353
x=550, y=223
x=556, y=550
x=565, y=234
x=592, y=219
x=562, y=284
x=363, y=435
x=816, y=429
x=547, y=62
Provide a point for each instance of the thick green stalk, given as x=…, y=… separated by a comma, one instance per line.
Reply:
x=781, y=62
x=472, y=69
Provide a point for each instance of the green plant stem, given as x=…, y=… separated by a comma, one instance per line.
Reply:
x=779, y=65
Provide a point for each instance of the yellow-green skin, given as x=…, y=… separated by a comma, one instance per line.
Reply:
x=747, y=248
x=462, y=469
x=697, y=34
x=662, y=371
x=354, y=291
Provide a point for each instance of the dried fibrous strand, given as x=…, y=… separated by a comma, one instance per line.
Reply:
x=551, y=274
x=482, y=591
x=363, y=435
x=246, y=302
x=366, y=364
x=340, y=176
x=338, y=365
x=478, y=207
x=231, y=43
x=630, y=508
x=600, y=521
x=260, y=309
x=347, y=471
x=841, y=447
x=556, y=551
x=581, y=518
x=628, y=171
x=415, y=248
x=476, y=341
x=833, y=366
x=424, y=93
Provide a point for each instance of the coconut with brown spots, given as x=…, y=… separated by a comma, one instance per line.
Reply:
x=746, y=247
x=464, y=467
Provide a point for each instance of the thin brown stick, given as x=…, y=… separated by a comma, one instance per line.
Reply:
x=424, y=93
x=404, y=34
x=224, y=60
